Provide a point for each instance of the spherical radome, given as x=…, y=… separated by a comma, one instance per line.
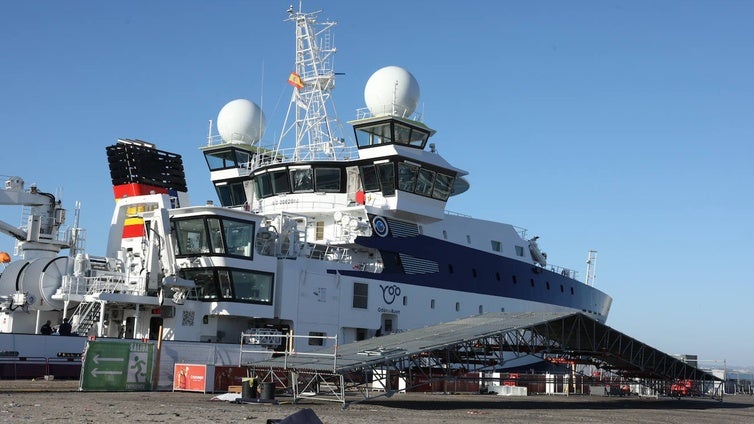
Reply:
x=241, y=121
x=392, y=90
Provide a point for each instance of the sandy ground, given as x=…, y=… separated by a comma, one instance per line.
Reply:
x=60, y=401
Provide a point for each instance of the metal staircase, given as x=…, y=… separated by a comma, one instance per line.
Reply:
x=88, y=312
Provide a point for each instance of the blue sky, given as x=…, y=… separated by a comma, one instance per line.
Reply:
x=620, y=126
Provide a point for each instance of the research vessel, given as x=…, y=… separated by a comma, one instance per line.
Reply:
x=332, y=237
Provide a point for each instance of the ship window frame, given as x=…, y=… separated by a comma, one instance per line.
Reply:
x=324, y=181
x=443, y=186
x=425, y=181
x=195, y=236
x=360, y=295
x=407, y=174
x=386, y=175
x=281, y=183
x=369, y=179
x=191, y=237
x=264, y=289
x=224, y=284
x=302, y=180
x=316, y=338
x=231, y=193
x=264, y=185
x=496, y=245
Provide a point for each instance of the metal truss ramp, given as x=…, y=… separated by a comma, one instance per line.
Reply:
x=480, y=343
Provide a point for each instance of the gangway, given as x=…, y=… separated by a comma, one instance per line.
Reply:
x=479, y=343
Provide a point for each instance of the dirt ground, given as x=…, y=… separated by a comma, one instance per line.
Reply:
x=60, y=401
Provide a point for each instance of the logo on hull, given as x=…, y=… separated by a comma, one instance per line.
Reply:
x=389, y=293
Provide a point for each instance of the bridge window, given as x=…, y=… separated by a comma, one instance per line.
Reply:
x=231, y=193
x=407, y=176
x=252, y=286
x=302, y=180
x=520, y=251
x=280, y=183
x=205, y=280
x=191, y=236
x=327, y=179
x=424, y=182
x=238, y=237
x=216, y=236
x=443, y=184
x=496, y=246
x=213, y=235
x=369, y=179
x=386, y=173
x=225, y=159
x=264, y=186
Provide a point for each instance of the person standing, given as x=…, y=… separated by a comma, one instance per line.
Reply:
x=65, y=328
x=46, y=328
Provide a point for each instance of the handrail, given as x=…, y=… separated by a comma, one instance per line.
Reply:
x=288, y=351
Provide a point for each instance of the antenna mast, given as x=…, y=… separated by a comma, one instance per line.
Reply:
x=591, y=268
x=313, y=80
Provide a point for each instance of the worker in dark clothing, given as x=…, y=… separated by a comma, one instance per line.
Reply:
x=65, y=328
x=46, y=328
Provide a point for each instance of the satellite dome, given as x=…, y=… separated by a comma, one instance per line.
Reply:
x=241, y=121
x=392, y=90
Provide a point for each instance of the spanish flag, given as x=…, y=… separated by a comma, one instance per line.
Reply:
x=295, y=80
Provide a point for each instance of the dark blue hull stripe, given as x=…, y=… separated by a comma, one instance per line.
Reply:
x=464, y=269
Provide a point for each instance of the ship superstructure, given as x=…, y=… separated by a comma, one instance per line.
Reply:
x=312, y=235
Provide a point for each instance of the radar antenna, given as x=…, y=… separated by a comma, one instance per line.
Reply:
x=311, y=112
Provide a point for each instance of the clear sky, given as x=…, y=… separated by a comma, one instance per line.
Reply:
x=620, y=126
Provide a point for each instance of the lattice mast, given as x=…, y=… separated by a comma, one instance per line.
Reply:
x=591, y=268
x=311, y=113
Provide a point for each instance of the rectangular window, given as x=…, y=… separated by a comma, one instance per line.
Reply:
x=191, y=236
x=238, y=237
x=280, y=183
x=319, y=231
x=205, y=281
x=407, y=176
x=519, y=250
x=387, y=178
x=360, y=295
x=302, y=180
x=424, y=182
x=216, y=235
x=315, y=338
x=327, y=179
x=252, y=286
x=443, y=185
x=496, y=246
x=264, y=186
x=369, y=178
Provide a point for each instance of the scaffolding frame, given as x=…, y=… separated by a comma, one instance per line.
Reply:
x=450, y=351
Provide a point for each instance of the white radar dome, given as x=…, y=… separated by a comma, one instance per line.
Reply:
x=392, y=90
x=241, y=121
